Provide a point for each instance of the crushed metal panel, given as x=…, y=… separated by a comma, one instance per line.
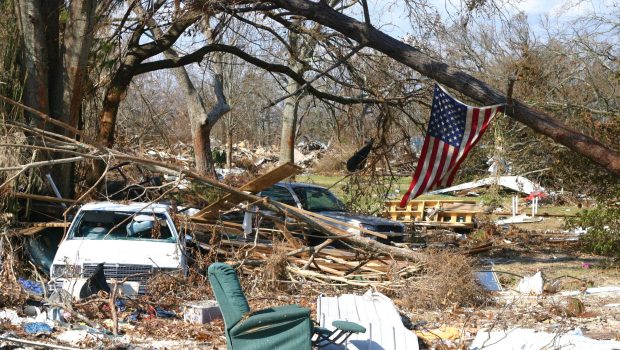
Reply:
x=375, y=312
x=488, y=279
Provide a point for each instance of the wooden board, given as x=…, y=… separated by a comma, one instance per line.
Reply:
x=258, y=184
x=41, y=198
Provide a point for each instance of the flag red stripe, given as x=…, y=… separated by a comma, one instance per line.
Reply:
x=439, y=174
x=416, y=174
x=422, y=187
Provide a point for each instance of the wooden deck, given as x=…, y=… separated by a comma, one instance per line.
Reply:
x=373, y=310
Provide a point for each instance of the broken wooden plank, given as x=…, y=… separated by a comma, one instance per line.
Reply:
x=51, y=224
x=30, y=231
x=330, y=222
x=41, y=198
x=258, y=184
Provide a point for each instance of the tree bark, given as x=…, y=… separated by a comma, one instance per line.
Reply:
x=472, y=87
x=229, y=146
x=78, y=39
x=77, y=42
x=289, y=115
x=34, y=57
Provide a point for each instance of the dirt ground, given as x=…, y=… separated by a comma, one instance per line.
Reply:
x=569, y=304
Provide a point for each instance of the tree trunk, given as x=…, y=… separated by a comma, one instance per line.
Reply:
x=202, y=151
x=201, y=120
x=289, y=115
x=114, y=94
x=136, y=53
x=539, y=121
x=289, y=124
x=78, y=38
x=229, y=146
x=77, y=42
x=34, y=57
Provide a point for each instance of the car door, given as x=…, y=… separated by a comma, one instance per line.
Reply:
x=280, y=194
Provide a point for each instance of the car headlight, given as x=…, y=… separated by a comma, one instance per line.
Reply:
x=66, y=271
x=364, y=226
x=352, y=230
x=369, y=227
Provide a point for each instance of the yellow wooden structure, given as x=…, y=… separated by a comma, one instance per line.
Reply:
x=436, y=213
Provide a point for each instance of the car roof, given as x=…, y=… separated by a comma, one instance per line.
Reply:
x=299, y=184
x=130, y=207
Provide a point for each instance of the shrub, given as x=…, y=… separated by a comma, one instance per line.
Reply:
x=448, y=279
x=603, y=231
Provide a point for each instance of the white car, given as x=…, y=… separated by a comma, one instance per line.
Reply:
x=131, y=240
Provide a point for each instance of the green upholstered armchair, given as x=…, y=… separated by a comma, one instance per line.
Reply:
x=284, y=327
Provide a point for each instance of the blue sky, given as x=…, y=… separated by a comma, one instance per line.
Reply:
x=391, y=16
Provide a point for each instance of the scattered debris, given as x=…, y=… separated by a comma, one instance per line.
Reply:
x=201, y=312
x=514, y=183
x=455, y=214
x=518, y=219
x=523, y=339
x=531, y=284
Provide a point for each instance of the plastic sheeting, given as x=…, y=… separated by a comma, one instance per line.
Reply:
x=532, y=284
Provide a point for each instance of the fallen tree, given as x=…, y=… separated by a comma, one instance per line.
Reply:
x=66, y=144
x=541, y=122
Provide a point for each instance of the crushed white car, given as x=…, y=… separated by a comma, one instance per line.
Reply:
x=131, y=240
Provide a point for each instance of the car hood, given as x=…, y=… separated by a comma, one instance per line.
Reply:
x=135, y=252
x=363, y=219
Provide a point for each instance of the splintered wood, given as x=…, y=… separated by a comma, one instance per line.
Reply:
x=260, y=183
x=322, y=264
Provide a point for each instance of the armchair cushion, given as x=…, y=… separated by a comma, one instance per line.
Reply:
x=269, y=318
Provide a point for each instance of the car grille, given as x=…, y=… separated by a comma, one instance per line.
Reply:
x=389, y=228
x=133, y=273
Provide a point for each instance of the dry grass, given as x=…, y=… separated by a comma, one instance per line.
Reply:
x=447, y=280
x=274, y=269
x=11, y=292
x=172, y=291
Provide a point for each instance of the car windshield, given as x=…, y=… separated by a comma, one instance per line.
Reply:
x=318, y=199
x=98, y=225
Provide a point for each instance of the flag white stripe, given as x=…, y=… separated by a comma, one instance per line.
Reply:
x=432, y=178
x=428, y=159
x=449, y=155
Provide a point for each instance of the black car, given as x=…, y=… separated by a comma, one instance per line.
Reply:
x=320, y=200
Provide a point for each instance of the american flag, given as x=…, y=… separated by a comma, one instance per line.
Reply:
x=452, y=132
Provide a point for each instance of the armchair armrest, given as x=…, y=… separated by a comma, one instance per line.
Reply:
x=266, y=319
x=278, y=308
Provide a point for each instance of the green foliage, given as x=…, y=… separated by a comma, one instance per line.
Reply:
x=219, y=156
x=603, y=225
x=366, y=194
